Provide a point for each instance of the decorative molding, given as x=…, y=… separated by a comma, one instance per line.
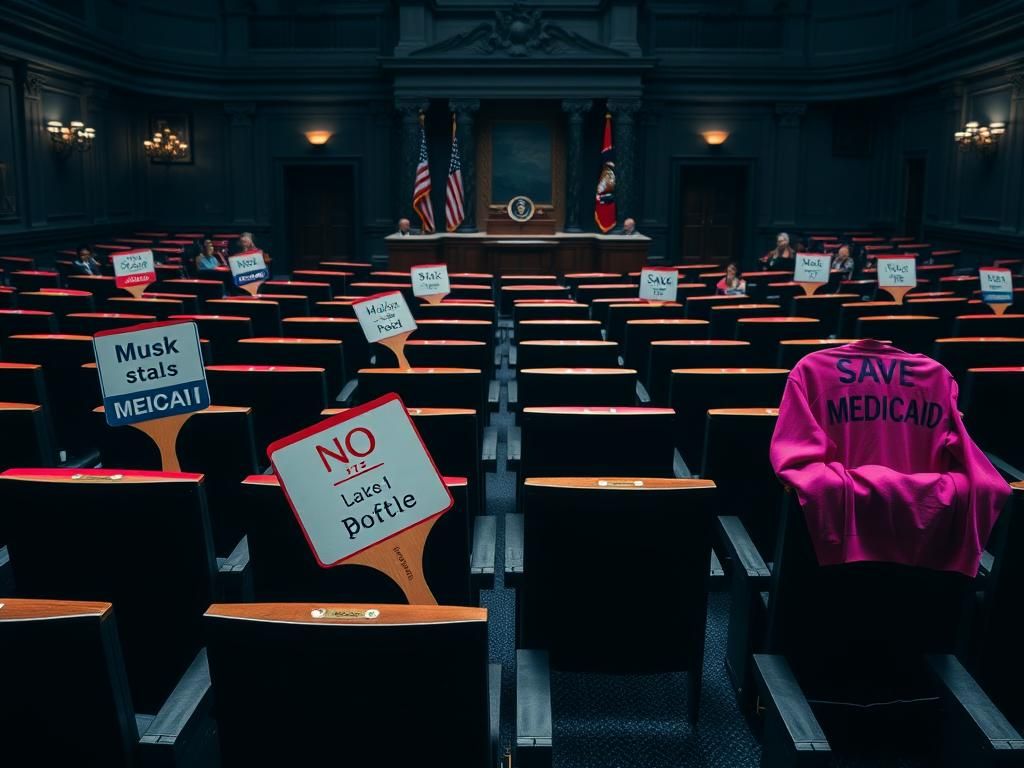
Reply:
x=790, y=114
x=1016, y=78
x=518, y=33
x=624, y=109
x=410, y=108
x=33, y=85
x=463, y=107
x=577, y=108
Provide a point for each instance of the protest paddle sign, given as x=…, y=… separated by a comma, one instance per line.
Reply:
x=812, y=271
x=152, y=378
x=897, y=276
x=658, y=284
x=385, y=318
x=133, y=270
x=248, y=270
x=365, y=491
x=430, y=281
x=996, y=288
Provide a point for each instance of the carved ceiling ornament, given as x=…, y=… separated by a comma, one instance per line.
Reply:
x=519, y=32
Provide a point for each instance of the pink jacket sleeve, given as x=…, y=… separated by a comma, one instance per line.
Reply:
x=871, y=512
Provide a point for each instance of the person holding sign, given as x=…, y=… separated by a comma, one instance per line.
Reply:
x=385, y=318
x=430, y=282
x=733, y=283
x=365, y=491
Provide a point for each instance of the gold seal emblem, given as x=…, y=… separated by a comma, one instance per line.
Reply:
x=521, y=208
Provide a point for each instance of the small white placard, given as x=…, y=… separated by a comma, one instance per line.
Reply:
x=150, y=371
x=897, y=273
x=358, y=478
x=996, y=285
x=133, y=268
x=812, y=268
x=658, y=283
x=248, y=267
x=430, y=280
x=383, y=316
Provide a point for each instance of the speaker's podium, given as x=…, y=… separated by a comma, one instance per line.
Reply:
x=520, y=245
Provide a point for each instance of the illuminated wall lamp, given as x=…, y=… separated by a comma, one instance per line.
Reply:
x=715, y=138
x=318, y=138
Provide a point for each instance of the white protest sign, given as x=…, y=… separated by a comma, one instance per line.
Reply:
x=248, y=268
x=133, y=270
x=430, y=280
x=384, y=315
x=150, y=371
x=361, y=477
x=996, y=286
x=897, y=272
x=812, y=268
x=658, y=283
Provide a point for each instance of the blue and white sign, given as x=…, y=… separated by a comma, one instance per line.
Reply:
x=996, y=285
x=150, y=371
x=248, y=267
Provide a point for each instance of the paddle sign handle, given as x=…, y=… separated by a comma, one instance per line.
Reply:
x=252, y=288
x=401, y=559
x=999, y=308
x=136, y=290
x=396, y=344
x=810, y=288
x=898, y=292
x=434, y=298
x=164, y=432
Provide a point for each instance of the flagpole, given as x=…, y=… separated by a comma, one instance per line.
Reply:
x=453, y=126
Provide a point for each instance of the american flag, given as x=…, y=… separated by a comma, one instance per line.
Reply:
x=421, y=188
x=453, y=197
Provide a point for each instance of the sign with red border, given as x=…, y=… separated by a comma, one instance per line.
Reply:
x=359, y=478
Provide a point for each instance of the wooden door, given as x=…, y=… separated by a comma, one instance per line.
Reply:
x=321, y=218
x=712, y=213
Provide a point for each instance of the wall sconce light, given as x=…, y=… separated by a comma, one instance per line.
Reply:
x=66, y=138
x=715, y=138
x=983, y=138
x=318, y=138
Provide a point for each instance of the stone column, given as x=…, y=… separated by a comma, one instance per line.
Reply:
x=1012, y=144
x=623, y=114
x=465, y=115
x=410, y=110
x=37, y=142
x=243, y=169
x=576, y=109
x=787, y=162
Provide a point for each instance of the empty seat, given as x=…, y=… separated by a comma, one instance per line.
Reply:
x=825, y=307
x=686, y=353
x=15, y=321
x=575, y=386
x=958, y=354
x=59, y=302
x=571, y=353
x=531, y=330
x=989, y=325
x=586, y=293
x=289, y=305
x=640, y=333
x=147, y=305
x=314, y=291
x=599, y=308
x=263, y=657
x=91, y=323
x=620, y=314
x=223, y=331
x=791, y=351
x=945, y=308
x=471, y=330
x=990, y=398
x=853, y=311
x=136, y=539
x=328, y=354
x=346, y=330
x=699, y=307
x=33, y=279
x=341, y=307
x=695, y=391
x=765, y=333
x=27, y=436
x=509, y=293
x=911, y=333
x=264, y=315
x=723, y=319
x=457, y=310
x=284, y=399
x=338, y=280
x=427, y=387
x=442, y=353
x=284, y=568
x=202, y=288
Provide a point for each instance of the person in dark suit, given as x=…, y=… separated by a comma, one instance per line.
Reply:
x=85, y=263
x=629, y=227
x=404, y=228
x=780, y=257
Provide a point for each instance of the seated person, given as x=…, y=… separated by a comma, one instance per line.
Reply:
x=404, y=228
x=843, y=261
x=733, y=283
x=209, y=257
x=85, y=263
x=629, y=227
x=780, y=257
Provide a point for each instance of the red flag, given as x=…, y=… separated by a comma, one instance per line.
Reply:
x=604, y=200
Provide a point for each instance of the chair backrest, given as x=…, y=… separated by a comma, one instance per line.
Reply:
x=442, y=353
x=958, y=354
x=65, y=688
x=695, y=391
x=284, y=568
x=638, y=335
x=427, y=387
x=586, y=292
x=568, y=441
x=791, y=351
x=90, y=323
x=619, y=314
x=853, y=311
x=765, y=333
x=990, y=398
x=988, y=325
x=140, y=540
x=15, y=321
x=290, y=305
x=572, y=353
x=723, y=318
x=27, y=439
x=265, y=315
x=285, y=350
x=455, y=310
x=537, y=330
x=736, y=443
x=147, y=305
x=266, y=661
x=698, y=353
x=655, y=536
x=856, y=632
x=824, y=306
x=470, y=330
x=223, y=331
x=218, y=442
x=576, y=386
x=345, y=329
x=284, y=399
x=911, y=333
x=203, y=288
x=314, y=291
x=549, y=311
x=699, y=307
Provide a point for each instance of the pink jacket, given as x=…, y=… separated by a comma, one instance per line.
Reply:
x=871, y=440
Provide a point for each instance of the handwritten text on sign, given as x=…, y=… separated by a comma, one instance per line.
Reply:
x=658, y=283
x=996, y=286
x=133, y=268
x=430, y=280
x=812, y=268
x=248, y=267
x=150, y=371
x=897, y=273
x=358, y=478
x=384, y=315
